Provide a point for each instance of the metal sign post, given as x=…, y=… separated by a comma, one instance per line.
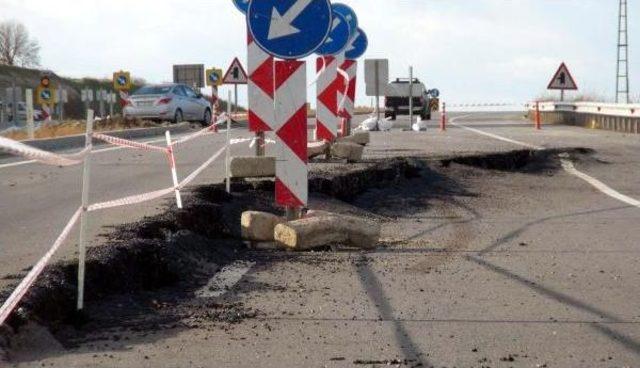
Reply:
x=411, y=95
x=84, y=217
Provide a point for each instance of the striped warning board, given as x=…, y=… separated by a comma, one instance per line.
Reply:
x=260, y=69
x=327, y=98
x=291, y=132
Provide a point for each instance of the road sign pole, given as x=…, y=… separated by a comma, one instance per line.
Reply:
x=411, y=95
x=235, y=92
x=377, y=81
x=84, y=217
x=29, y=102
x=443, y=120
x=227, y=161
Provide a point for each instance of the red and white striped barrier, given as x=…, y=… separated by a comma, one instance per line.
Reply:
x=347, y=104
x=327, y=98
x=291, y=133
x=260, y=86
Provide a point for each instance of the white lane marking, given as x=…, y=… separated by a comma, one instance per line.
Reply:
x=566, y=165
x=102, y=150
x=225, y=280
x=571, y=169
x=494, y=136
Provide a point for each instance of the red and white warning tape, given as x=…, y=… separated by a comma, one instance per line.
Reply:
x=27, y=282
x=128, y=143
x=19, y=149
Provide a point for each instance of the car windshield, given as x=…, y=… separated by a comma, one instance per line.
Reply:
x=152, y=90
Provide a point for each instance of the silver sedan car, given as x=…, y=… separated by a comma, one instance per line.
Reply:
x=169, y=102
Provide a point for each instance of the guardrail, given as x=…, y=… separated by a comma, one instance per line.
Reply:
x=623, y=118
x=84, y=157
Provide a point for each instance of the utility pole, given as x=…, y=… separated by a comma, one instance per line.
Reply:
x=622, y=75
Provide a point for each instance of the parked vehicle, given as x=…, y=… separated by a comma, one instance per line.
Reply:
x=38, y=115
x=397, y=99
x=171, y=102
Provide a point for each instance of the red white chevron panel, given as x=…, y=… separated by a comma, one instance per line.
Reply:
x=327, y=98
x=260, y=69
x=348, y=108
x=291, y=133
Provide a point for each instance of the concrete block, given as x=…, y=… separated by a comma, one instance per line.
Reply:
x=317, y=148
x=361, y=138
x=352, y=152
x=324, y=229
x=259, y=226
x=253, y=167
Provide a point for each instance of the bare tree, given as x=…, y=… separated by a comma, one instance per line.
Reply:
x=16, y=47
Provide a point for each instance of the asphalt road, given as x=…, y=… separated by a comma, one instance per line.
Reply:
x=481, y=267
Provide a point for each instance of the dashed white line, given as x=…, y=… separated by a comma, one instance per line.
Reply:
x=566, y=165
x=225, y=280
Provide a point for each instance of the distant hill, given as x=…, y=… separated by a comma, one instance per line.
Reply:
x=30, y=78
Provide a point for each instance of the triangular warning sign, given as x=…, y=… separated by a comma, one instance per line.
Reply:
x=235, y=74
x=563, y=79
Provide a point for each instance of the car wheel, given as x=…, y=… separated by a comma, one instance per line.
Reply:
x=178, y=117
x=207, y=118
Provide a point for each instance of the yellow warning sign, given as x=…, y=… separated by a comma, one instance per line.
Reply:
x=214, y=77
x=122, y=81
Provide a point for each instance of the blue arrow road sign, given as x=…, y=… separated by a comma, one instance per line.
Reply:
x=242, y=5
x=358, y=45
x=338, y=37
x=349, y=15
x=290, y=29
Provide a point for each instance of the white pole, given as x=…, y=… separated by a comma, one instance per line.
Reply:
x=84, y=217
x=411, y=96
x=228, y=150
x=28, y=98
x=174, y=173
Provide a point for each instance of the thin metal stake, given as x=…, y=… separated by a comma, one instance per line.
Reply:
x=84, y=217
x=174, y=173
x=228, y=150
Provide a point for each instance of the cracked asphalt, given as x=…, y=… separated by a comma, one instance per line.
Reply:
x=476, y=268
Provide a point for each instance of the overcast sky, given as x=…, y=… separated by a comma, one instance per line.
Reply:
x=472, y=50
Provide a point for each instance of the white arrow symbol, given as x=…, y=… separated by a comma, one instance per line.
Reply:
x=281, y=24
x=352, y=44
x=336, y=23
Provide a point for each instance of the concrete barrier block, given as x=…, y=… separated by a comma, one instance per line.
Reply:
x=362, y=138
x=258, y=226
x=324, y=229
x=253, y=167
x=352, y=152
x=315, y=149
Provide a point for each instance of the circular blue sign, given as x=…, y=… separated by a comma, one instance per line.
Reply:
x=242, y=5
x=349, y=14
x=435, y=93
x=338, y=38
x=290, y=29
x=358, y=45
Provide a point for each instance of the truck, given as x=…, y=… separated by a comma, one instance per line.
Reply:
x=397, y=99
